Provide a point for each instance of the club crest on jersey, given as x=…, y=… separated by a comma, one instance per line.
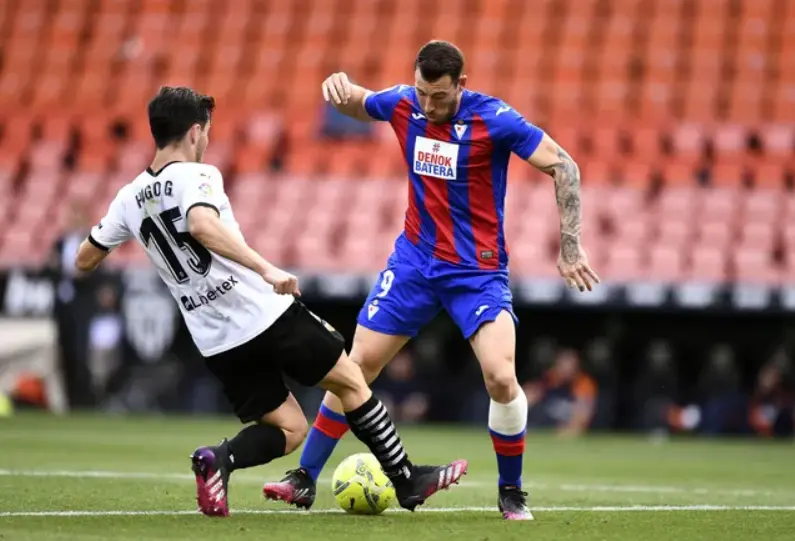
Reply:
x=205, y=188
x=372, y=310
x=435, y=158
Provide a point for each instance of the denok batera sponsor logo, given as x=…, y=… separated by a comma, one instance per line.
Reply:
x=197, y=301
x=435, y=158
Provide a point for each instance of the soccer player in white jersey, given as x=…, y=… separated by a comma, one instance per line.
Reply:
x=242, y=313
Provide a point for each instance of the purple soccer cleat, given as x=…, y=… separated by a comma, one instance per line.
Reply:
x=212, y=480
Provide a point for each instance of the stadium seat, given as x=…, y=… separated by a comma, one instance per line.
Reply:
x=678, y=203
x=729, y=141
x=718, y=203
x=673, y=232
x=632, y=230
x=665, y=263
x=755, y=266
x=707, y=263
x=530, y=260
x=629, y=113
x=758, y=234
x=688, y=141
x=778, y=140
x=768, y=175
x=762, y=204
x=680, y=173
x=717, y=233
x=623, y=264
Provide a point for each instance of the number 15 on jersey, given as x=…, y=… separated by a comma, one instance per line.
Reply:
x=159, y=229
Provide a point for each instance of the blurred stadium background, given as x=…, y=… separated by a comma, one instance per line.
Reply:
x=681, y=114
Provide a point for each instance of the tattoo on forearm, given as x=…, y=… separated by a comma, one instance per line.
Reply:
x=567, y=192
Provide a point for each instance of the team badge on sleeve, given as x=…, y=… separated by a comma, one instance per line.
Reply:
x=205, y=188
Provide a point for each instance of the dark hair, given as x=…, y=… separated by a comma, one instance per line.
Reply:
x=439, y=58
x=174, y=110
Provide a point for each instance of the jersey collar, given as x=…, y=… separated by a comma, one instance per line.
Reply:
x=154, y=174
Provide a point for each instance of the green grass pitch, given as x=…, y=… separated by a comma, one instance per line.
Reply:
x=120, y=478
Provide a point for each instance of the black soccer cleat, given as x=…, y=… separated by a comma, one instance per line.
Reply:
x=513, y=503
x=297, y=488
x=425, y=481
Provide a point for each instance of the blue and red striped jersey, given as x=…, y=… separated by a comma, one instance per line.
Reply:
x=458, y=172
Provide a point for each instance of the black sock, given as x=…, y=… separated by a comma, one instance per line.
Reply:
x=256, y=445
x=371, y=423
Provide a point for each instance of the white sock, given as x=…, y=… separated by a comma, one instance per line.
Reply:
x=509, y=419
x=507, y=424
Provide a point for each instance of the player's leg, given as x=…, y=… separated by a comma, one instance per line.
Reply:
x=372, y=351
x=400, y=303
x=276, y=434
x=260, y=398
x=494, y=344
x=370, y=422
x=481, y=305
x=322, y=361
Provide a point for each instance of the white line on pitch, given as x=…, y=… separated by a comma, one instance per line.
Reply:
x=602, y=509
x=465, y=483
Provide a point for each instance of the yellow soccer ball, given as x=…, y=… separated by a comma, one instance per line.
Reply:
x=361, y=487
x=6, y=406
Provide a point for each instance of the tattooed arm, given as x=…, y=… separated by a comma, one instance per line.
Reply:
x=550, y=158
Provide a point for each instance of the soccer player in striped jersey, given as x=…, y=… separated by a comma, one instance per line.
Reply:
x=452, y=254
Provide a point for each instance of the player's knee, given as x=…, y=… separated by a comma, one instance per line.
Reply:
x=501, y=384
x=369, y=366
x=372, y=351
x=346, y=380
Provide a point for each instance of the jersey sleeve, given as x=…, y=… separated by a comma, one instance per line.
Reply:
x=112, y=230
x=206, y=190
x=518, y=134
x=380, y=105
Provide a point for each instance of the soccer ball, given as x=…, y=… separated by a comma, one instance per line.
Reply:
x=361, y=487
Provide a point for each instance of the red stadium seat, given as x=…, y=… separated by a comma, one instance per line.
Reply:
x=778, y=140
x=717, y=233
x=762, y=204
x=769, y=175
x=47, y=157
x=634, y=230
x=755, y=266
x=679, y=203
x=619, y=203
x=758, y=234
x=622, y=264
x=718, y=203
x=666, y=263
x=16, y=247
x=529, y=260
x=673, y=232
x=312, y=252
x=707, y=263
x=729, y=174
x=688, y=141
x=680, y=173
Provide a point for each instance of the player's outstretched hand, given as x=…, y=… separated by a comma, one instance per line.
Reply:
x=283, y=282
x=574, y=268
x=337, y=88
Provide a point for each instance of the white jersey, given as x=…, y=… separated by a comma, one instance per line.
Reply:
x=224, y=304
